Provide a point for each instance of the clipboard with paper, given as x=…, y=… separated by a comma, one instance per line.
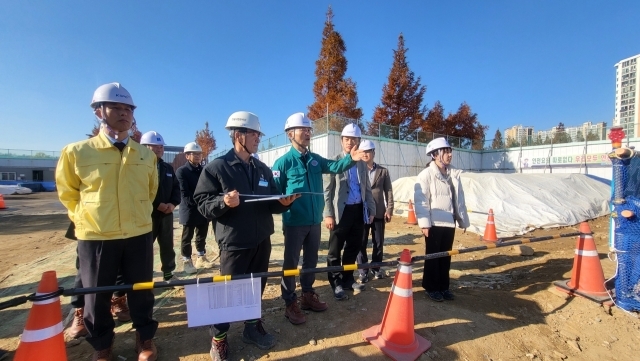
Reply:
x=220, y=302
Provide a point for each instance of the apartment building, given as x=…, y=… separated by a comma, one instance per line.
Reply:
x=627, y=96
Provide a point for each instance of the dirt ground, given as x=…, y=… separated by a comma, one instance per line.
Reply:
x=504, y=309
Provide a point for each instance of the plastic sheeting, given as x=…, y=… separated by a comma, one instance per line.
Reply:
x=522, y=202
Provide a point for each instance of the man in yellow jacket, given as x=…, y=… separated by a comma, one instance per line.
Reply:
x=108, y=183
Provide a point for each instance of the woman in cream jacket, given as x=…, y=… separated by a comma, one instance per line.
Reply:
x=439, y=205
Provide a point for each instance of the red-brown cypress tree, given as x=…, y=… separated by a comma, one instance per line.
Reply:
x=333, y=93
x=401, y=103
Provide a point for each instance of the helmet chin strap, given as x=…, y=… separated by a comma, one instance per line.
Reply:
x=243, y=146
x=112, y=132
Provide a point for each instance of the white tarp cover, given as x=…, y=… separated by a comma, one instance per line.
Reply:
x=7, y=189
x=522, y=202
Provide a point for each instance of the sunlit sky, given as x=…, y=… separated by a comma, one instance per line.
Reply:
x=534, y=63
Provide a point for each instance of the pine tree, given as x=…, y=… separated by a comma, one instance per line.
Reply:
x=561, y=136
x=497, y=143
x=401, y=103
x=206, y=141
x=333, y=93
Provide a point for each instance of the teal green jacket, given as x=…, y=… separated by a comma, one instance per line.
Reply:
x=291, y=175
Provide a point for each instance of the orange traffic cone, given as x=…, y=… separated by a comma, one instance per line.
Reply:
x=412, y=214
x=490, y=231
x=2, y=205
x=395, y=336
x=42, y=338
x=587, y=277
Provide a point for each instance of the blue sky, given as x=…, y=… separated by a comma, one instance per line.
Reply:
x=514, y=62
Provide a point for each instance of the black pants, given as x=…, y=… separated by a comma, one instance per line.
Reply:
x=77, y=301
x=348, y=235
x=245, y=261
x=376, y=228
x=435, y=276
x=99, y=265
x=163, y=232
x=201, y=239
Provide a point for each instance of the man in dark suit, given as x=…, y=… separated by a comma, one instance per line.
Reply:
x=383, y=197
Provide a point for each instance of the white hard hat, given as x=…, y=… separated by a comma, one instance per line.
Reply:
x=436, y=144
x=367, y=145
x=192, y=147
x=297, y=120
x=243, y=120
x=112, y=93
x=152, y=138
x=351, y=130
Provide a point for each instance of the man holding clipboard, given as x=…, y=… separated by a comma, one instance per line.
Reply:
x=243, y=229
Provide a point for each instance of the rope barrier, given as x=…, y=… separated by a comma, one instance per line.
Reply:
x=285, y=273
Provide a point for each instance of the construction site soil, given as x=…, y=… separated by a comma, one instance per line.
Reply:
x=505, y=306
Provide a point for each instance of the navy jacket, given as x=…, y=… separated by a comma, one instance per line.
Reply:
x=168, y=188
x=188, y=179
x=250, y=223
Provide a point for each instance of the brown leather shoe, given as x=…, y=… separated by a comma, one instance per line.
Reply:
x=120, y=309
x=103, y=355
x=311, y=301
x=77, y=328
x=146, y=350
x=294, y=314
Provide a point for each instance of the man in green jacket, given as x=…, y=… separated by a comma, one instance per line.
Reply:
x=300, y=171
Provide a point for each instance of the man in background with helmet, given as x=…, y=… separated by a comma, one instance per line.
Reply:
x=167, y=198
x=107, y=183
x=190, y=218
x=382, y=193
x=243, y=229
x=439, y=204
x=348, y=206
x=300, y=170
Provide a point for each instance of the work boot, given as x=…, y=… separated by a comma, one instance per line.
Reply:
x=294, y=314
x=146, y=350
x=77, y=328
x=188, y=267
x=103, y=355
x=311, y=301
x=203, y=262
x=219, y=349
x=254, y=333
x=120, y=309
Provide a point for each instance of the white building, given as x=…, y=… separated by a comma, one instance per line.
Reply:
x=627, y=96
x=598, y=130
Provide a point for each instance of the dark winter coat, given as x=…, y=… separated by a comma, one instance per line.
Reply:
x=188, y=176
x=168, y=188
x=250, y=223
